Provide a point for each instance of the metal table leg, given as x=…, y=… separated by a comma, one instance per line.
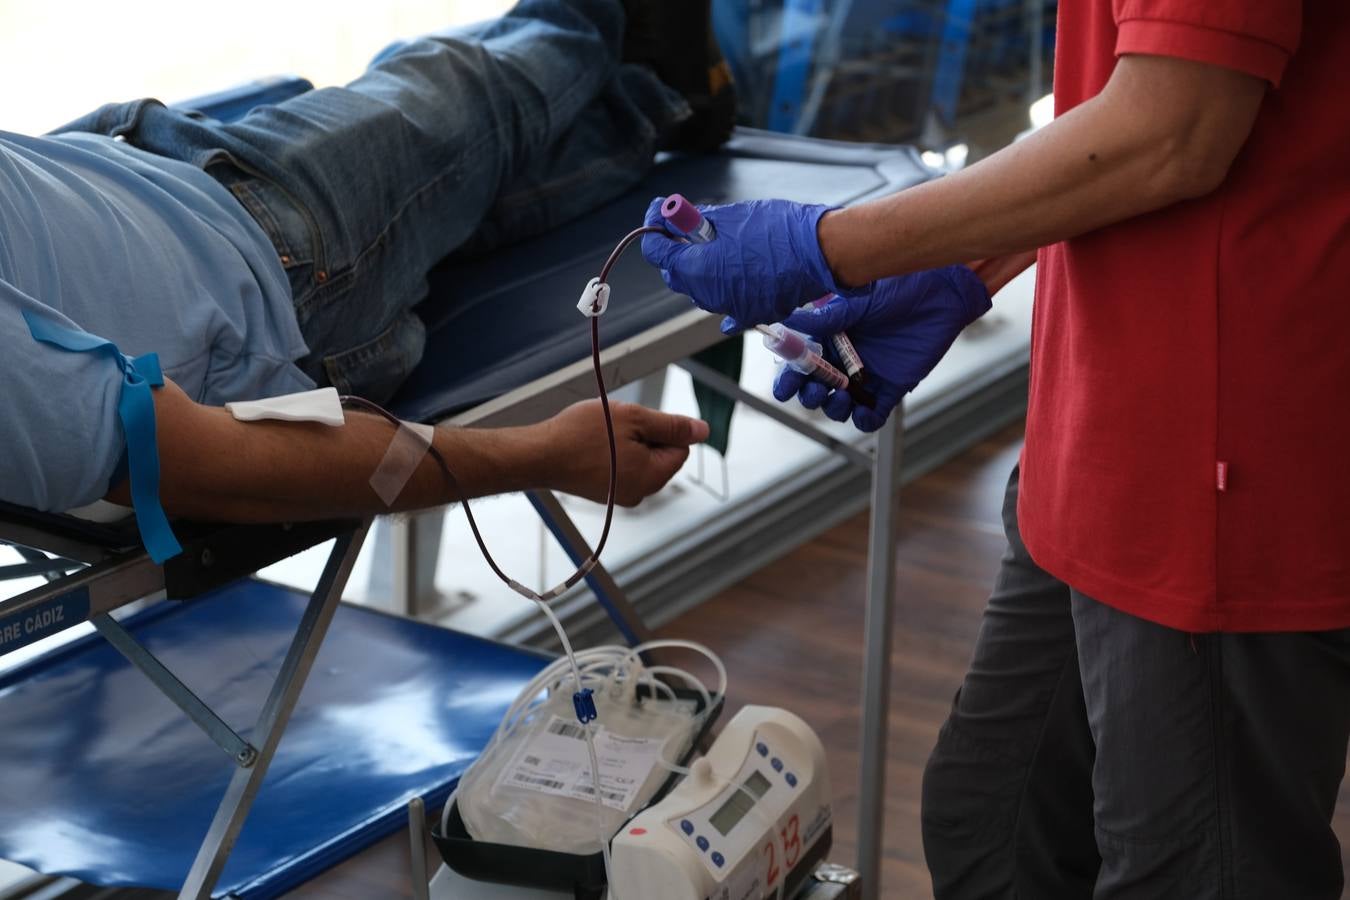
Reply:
x=243, y=788
x=413, y=544
x=876, y=692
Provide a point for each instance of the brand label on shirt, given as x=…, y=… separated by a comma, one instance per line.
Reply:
x=556, y=761
x=19, y=629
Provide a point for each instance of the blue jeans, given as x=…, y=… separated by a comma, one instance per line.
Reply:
x=455, y=142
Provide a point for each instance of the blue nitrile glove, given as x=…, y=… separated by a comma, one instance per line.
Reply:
x=764, y=263
x=900, y=328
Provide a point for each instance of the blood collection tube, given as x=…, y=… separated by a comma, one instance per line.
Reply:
x=685, y=218
x=801, y=353
x=853, y=364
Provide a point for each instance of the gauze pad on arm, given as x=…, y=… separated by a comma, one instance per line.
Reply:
x=322, y=406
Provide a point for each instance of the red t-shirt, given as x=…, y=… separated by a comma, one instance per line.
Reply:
x=1187, y=456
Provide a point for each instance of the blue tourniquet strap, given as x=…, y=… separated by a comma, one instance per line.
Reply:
x=136, y=409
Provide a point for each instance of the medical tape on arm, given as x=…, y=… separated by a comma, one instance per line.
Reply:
x=404, y=454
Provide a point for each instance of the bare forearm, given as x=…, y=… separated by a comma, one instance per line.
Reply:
x=215, y=468
x=997, y=271
x=298, y=472
x=1117, y=156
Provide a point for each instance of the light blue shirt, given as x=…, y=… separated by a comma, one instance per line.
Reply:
x=151, y=254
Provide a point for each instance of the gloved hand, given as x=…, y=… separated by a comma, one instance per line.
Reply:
x=764, y=263
x=900, y=328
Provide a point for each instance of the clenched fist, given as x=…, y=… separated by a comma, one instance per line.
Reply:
x=651, y=448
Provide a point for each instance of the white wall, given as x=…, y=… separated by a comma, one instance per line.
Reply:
x=61, y=58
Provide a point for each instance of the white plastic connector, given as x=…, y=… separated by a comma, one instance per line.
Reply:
x=595, y=299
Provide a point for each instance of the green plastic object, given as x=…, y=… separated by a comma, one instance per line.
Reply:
x=715, y=408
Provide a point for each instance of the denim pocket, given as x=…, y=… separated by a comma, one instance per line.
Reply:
x=288, y=224
x=375, y=369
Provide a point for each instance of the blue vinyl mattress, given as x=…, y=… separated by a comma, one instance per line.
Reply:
x=106, y=781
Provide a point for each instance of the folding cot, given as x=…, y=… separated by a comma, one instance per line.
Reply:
x=505, y=345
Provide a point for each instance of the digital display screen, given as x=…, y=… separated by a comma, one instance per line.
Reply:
x=739, y=803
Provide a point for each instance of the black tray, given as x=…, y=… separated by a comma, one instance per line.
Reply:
x=582, y=874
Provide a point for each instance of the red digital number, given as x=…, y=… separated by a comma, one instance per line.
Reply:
x=772, y=878
x=792, y=843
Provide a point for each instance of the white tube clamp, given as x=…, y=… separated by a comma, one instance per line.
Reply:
x=595, y=299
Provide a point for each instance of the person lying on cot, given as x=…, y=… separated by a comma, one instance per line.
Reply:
x=1156, y=707
x=288, y=249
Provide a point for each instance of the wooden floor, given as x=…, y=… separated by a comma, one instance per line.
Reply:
x=792, y=636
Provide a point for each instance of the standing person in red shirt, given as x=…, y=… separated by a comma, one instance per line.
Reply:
x=1157, y=704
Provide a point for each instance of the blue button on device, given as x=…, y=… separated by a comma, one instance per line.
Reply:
x=777, y=764
x=719, y=860
x=762, y=749
x=791, y=780
x=687, y=827
x=702, y=843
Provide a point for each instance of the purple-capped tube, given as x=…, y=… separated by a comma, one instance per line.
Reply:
x=685, y=218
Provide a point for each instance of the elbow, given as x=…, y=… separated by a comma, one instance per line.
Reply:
x=1187, y=121
x=1191, y=162
x=1190, y=173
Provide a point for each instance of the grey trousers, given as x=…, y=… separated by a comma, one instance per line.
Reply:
x=1091, y=754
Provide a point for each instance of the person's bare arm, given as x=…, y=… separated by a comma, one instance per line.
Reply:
x=997, y=271
x=215, y=468
x=1161, y=131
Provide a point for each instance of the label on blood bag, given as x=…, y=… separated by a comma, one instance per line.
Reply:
x=556, y=761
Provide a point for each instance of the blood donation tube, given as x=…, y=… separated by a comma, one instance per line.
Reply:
x=685, y=218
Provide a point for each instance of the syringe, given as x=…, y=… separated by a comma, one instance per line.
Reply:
x=685, y=218
x=801, y=353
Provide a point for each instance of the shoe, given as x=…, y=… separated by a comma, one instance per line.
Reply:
x=674, y=38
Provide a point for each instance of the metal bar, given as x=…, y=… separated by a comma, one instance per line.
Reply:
x=216, y=729
x=623, y=363
x=723, y=385
x=606, y=589
x=29, y=569
x=243, y=788
x=414, y=542
x=73, y=599
x=28, y=554
x=402, y=564
x=876, y=689
x=417, y=827
x=25, y=535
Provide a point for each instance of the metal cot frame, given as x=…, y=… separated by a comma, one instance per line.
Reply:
x=114, y=577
